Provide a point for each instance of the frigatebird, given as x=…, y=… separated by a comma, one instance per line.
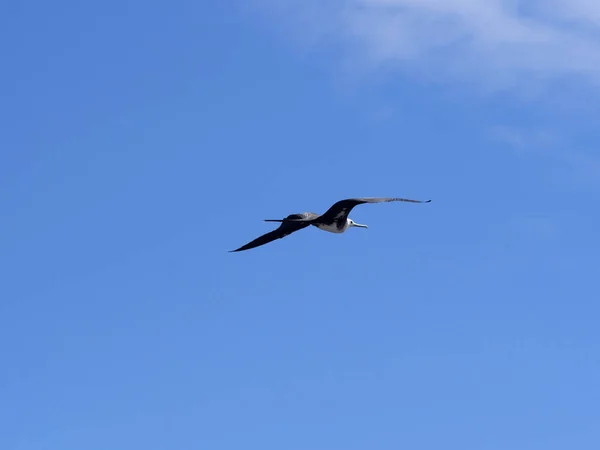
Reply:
x=335, y=220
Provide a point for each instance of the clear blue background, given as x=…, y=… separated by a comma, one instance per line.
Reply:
x=141, y=141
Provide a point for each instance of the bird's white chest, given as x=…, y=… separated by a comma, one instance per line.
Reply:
x=332, y=228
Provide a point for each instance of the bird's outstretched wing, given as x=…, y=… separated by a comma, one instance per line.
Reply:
x=341, y=209
x=286, y=228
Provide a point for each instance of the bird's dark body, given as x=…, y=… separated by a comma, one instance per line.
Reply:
x=335, y=219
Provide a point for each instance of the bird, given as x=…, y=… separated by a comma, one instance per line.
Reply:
x=334, y=220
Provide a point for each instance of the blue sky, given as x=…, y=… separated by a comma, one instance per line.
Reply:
x=142, y=141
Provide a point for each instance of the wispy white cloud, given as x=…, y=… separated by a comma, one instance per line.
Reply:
x=583, y=166
x=540, y=228
x=491, y=42
x=528, y=141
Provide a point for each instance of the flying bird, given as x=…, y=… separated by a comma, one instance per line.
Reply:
x=335, y=220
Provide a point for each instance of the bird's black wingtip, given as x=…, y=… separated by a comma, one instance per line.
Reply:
x=427, y=201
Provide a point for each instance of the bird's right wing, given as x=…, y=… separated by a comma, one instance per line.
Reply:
x=285, y=229
x=385, y=199
x=340, y=210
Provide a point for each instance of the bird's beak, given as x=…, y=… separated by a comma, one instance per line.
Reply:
x=359, y=225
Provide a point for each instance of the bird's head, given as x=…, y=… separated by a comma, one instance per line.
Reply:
x=352, y=223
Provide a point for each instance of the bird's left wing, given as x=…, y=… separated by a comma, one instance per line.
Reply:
x=286, y=228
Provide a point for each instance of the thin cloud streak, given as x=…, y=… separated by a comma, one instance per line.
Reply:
x=495, y=43
x=584, y=167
